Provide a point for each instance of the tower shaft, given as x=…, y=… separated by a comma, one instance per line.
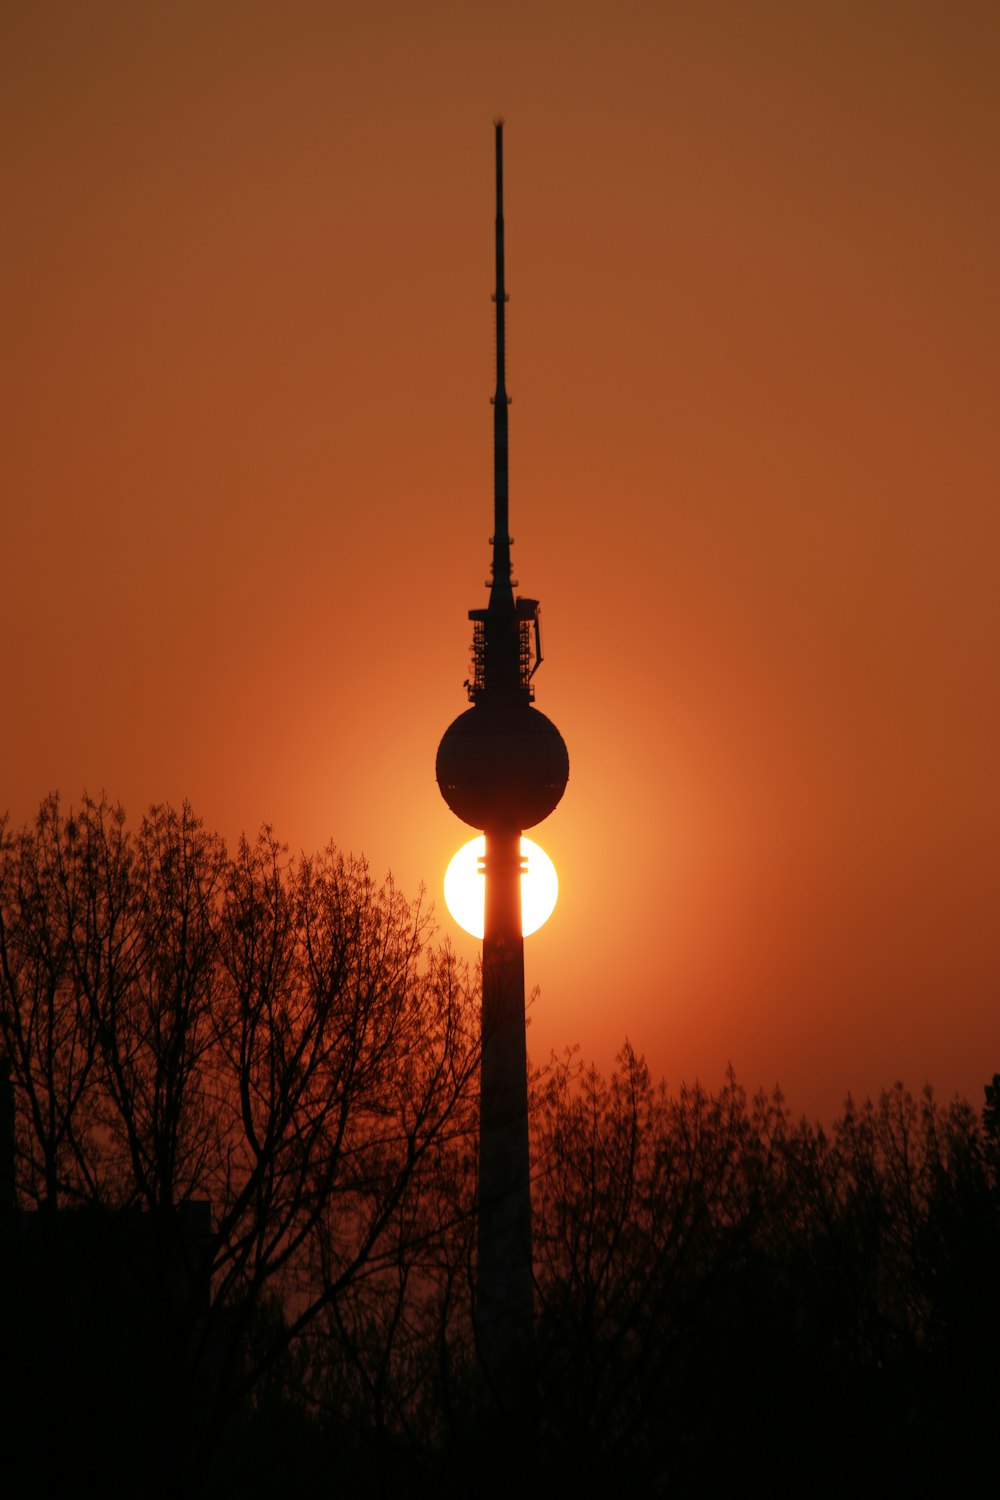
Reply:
x=504, y=1285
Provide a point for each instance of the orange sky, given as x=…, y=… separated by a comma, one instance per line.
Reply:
x=752, y=254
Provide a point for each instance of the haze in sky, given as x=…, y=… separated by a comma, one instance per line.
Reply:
x=753, y=355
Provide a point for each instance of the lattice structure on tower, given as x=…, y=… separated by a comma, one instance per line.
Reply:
x=529, y=649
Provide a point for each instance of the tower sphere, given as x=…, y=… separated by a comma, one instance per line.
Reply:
x=502, y=766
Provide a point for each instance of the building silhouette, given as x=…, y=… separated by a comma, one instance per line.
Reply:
x=112, y=1351
x=502, y=767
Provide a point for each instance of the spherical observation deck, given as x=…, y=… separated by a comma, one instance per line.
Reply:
x=502, y=766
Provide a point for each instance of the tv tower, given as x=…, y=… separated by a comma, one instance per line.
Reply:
x=502, y=767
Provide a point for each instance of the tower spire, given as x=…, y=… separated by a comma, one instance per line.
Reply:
x=501, y=591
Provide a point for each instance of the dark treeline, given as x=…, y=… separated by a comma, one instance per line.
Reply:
x=238, y=1206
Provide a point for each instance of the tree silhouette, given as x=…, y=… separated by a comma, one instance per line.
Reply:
x=724, y=1293
x=238, y=1107
x=242, y=1071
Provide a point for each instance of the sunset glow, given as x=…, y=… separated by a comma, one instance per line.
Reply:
x=751, y=356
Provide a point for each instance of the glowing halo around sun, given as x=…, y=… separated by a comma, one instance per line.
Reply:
x=465, y=887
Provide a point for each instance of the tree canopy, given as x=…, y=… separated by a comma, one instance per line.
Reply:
x=270, y=1040
x=238, y=1178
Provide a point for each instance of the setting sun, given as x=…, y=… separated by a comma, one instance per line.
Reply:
x=465, y=887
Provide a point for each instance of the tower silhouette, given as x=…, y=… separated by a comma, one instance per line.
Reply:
x=502, y=766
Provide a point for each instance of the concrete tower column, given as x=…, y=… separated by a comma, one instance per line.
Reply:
x=504, y=1284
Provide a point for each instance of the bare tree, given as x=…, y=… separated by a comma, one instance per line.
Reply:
x=49, y=890
x=245, y=1096
x=253, y=1068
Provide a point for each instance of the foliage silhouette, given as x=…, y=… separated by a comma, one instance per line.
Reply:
x=238, y=1224
x=724, y=1293
x=270, y=1038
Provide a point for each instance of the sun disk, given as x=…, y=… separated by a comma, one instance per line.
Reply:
x=465, y=887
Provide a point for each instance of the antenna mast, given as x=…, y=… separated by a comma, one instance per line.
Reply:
x=501, y=590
